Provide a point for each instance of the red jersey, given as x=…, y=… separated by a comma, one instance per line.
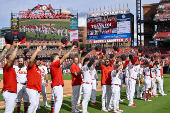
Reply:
x=106, y=75
x=9, y=79
x=56, y=74
x=34, y=78
x=76, y=80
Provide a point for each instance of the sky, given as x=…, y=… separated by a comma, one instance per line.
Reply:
x=6, y=6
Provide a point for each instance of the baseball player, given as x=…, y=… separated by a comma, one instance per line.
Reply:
x=21, y=72
x=153, y=80
x=34, y=85
x=132, y=81
x=94, y=83
x=76, y=83
x=105, y=82
x=57, y=78
x=44, y=85
x=138, y=79
x=9, y=90
x=147, y=80
x=87, y=82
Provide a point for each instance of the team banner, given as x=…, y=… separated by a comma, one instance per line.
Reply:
x=109, y=36
x=73, y=24
x=101, y=25
x=73, y=35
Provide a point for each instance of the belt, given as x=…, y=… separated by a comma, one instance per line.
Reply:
x=22, y=83
x=147, y=75
x=117, y=85
x=133, y=78
x=93, y=79
x=86, y=83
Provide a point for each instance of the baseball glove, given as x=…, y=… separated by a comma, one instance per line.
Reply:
x=141, y=81
x=157, y=81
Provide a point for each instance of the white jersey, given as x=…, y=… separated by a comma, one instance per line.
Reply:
x=146, y=73
x=153, y=72
x=43, y=71
x=21, y=74
x=86, y=74
x=133, y=71
x=116, y=77
x=126, y=72
x=93, y=73
x=158, y=71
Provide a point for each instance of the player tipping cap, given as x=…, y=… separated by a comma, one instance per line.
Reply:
x=64, y=41
x=21, y=37
x=9, y=38
x=116, y=48
x=76, y=44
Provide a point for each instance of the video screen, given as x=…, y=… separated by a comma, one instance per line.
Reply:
x=54, y=29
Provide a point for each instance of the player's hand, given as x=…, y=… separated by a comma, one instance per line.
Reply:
x=97, y=53
x=46, y=84
x=62, y=46
x=39, y=48
x=18, y=44
x=81, y=51
x=73, y=47
x=115, y=52
x=7, y=46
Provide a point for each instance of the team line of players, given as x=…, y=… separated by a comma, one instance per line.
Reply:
x=28, y=81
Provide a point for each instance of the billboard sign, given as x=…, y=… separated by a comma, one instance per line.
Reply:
x=73, y=35
x=116, y=27
x=73, y=24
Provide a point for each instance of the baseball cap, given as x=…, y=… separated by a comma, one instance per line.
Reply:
x=76, y=44
x=64, y=41
x=82, y=47
x=147, y=56
x=98, y=48
x=123, y=57
x=9, y=38
x=130, y=57
x=116, y=48
x=26, y=51
x=104, y=51
x=21, y=37
x=163, y=57
x=111, y=55
x=140, y=50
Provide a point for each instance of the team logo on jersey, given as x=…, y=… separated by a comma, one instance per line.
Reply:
x=135, y=70
x=22, y=72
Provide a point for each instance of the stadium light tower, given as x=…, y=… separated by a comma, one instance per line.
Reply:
x=138, y=20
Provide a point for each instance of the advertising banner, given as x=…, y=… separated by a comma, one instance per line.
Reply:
x=73, y=34
x=73, y=24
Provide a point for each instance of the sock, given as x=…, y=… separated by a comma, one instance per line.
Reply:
x=52, y=106
x=18, y=107
x=25, y=107
x=148, y=95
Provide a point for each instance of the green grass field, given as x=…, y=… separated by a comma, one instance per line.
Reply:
x=159, y=104
x=39, y=22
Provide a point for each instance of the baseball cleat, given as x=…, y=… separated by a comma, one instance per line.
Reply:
x=105, y=110
x=39, y=107
x=148, y=100
x=79, y=104
x=120, y=101
x=75, y=110
x=133, y=105
x=47, y=106
x=94, y=104
x=119, y=110
x=152, y=95
x=164, y=94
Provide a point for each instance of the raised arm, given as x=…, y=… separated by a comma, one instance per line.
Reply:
x=13, y=55
x=92, y=60
x=80, y=56
x=61, y=47
x=66, y=55
x=100, y=61
x=120, y=67
x=31, y=62
x=4, y=51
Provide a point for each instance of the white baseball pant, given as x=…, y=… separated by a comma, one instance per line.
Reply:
x=132, y=83
x=106, y=92
x=80, y=94
x=43, y=92
x=94, y=91
x=34, y=100
x=116, y=96
x=161, y=90
x=9, y=101
x=86, y=96
x=153, y=82
x=75, y=95
x=21, y=92
x=58, y=97
x=127, y=87
x=138, y=89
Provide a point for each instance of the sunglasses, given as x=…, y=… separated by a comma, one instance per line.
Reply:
x=107, y=61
